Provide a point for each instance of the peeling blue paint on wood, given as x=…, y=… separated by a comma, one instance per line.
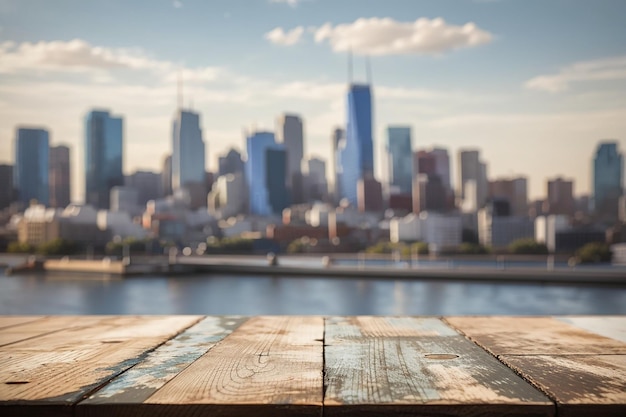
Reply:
x=164, y=363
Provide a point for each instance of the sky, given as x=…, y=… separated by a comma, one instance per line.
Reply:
x=534, y=84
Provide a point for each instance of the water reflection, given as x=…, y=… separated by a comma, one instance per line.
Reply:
x=248, y=295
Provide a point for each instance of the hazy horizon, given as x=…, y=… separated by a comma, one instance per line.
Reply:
x=535, y=85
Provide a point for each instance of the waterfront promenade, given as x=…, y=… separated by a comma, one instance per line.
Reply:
x=312, y=365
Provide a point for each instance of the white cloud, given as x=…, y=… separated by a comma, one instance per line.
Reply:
x=385, y=36
x=292, y=3
x=77, y=55
x=279, y=36
x=597, y=70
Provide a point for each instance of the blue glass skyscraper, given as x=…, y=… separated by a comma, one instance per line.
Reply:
x=188, y=152
x=30, y=172
x=357, y=150
x=608, y=171
x=261, y=177
x=103, y=156
x=399, y=150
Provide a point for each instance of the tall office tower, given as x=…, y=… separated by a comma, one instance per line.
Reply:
x=514, y=190
x=399, y=152
x=357, y=150
x=147, y=184
x=290, y=134
x=608, y=171
x=431, y=190
x=231, y=163
x=337, y=137
x=262, y=179
x=30, y=172
x=560, y=198
x=316, y=183
x=7, y=191
x=472, y=169
x=442, y=166
x=166, y=176
x=103, y=157
x=59, y=176
x=188, y=152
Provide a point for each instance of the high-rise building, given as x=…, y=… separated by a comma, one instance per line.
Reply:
x=472, y=169
x=608, y=171
x=275, y=172
x=513, y=190
x=166, y=176
x=260, y=177
x=290, y=134
x=188, y=152
x=431, y=184
x=400, y=158
x=337, y=137
x=560, y=197
x=231, y=163
x=147, y=184
x=442, y=166
x=30, y=172
x=316, y=184
x=228, y=196
x=357, y=150
x=7, y=192
x=103, y=157
x=59, y=176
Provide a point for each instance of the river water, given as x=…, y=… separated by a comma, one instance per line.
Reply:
x=263, y=295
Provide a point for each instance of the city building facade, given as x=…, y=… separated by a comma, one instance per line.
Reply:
x=59, y=176
x=31, y=169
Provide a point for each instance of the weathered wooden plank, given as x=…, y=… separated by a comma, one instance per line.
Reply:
x=411, y=366
x=43, y=327
x=613, y=327
x=268, y=366
x=160, y=366
x=533, y=336
x=57, y=370
x=10, y=321
x=587, y=385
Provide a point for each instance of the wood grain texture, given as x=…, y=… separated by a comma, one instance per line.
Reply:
x=58, y=369
x=534, y=336
x=160, y=366
x=613, y=327
x=44, y=326
x=587, y=385
x=268, y=366
x=10, y=321
x=405, y=366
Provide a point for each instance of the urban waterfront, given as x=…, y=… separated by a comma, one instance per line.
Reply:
x=283, y=295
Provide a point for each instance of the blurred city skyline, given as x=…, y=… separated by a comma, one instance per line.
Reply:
x=534, y=85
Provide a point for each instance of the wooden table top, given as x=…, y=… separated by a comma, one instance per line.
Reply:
x=311, y=365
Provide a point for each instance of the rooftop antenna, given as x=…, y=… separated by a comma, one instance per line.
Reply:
x=350, y=65
x=368, y=70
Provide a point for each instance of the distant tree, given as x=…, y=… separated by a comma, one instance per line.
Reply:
x=20, y=247
x=594, y=252
x=296, y=246
x=421, y=248
x=473, y=249
x=58, y=247
x=528, y=247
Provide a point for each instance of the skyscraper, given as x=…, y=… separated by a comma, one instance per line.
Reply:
x=473, y=169
x=337, y=137
x=260, y=177
x=560, y=197
x=512, y=190
x=59, y=176
x=188, y=152
x=357, y=150
x=166, y=176
x=290, y=133
x=30, y=172
x=400, y=158
x=608, y=171
x=7, y=192
x=231, y=163
x=103, y=156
